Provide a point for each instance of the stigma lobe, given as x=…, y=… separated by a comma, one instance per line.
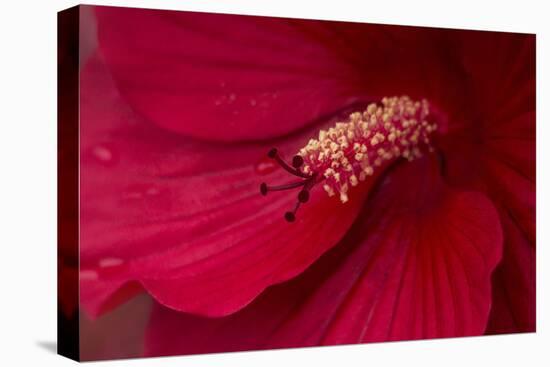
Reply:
x=305, y=182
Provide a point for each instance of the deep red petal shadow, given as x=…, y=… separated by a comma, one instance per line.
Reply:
x=495, y=153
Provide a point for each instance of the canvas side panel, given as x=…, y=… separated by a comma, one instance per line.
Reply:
x=67, y=186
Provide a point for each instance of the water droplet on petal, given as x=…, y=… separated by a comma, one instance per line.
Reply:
x=88, y=275
x=110, y=262
x=102, y=153
x=265, y=166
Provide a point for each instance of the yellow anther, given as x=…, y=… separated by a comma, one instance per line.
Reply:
x=344, y=197
x=347, y=153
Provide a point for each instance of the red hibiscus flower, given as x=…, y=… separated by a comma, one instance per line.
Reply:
x=178, y=111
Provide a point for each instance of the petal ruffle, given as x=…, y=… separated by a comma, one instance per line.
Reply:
x=417, y=264
x=185, y=219
x=227, y=77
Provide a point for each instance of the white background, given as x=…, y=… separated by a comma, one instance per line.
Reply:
x=28, y=183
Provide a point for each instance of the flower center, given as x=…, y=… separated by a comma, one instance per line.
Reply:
x=350, y=151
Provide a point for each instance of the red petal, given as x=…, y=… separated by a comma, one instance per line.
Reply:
x=417, y=264
x=185, y=218
x=226, y=77
x=497, y=155
x=514, y=289
x=510, y=174
x=500, y=68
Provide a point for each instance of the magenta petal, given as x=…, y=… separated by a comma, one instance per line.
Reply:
x=226, y=77
x=185, y=219
x=417, y=264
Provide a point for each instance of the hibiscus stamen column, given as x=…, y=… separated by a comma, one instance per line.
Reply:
x=351, y=151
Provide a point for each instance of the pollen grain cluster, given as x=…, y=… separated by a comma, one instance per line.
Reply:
x=351, y=151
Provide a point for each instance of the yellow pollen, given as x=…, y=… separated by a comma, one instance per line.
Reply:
x=397, y=127
x=328, y=189
x=343, y=197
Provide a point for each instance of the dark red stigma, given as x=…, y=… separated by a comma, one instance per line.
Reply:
x=306, y=182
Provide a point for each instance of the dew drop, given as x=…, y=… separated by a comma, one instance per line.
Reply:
x=88, y=275
x=109, y=262
x=265, y=166
x=102, y=153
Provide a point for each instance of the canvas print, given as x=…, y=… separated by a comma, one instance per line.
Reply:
x=236, y=183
